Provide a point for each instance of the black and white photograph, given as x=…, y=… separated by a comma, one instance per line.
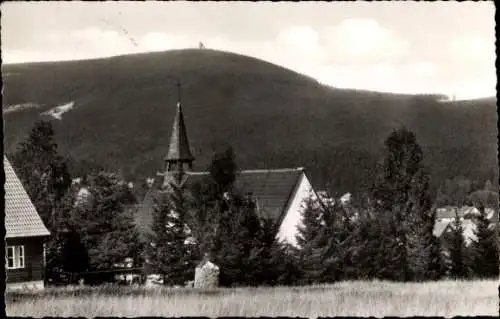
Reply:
x=249, y=159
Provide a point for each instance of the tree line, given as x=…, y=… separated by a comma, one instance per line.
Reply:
x=385, y=233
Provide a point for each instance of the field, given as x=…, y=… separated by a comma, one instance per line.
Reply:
x=356, y=298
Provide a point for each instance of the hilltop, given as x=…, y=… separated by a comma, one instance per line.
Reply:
x=118, y=112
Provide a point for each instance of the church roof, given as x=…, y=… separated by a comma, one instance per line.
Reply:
x=21, y=217
x=178, y=149
x=272, y=189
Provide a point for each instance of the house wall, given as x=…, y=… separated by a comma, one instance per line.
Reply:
x=32, y=273
x=293, y=216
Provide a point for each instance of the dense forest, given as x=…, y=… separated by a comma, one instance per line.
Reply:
x=124, y=107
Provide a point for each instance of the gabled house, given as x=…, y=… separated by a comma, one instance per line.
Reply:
x=279, y=194
x=24, y=238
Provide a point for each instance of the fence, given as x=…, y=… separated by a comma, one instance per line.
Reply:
x=116, y=275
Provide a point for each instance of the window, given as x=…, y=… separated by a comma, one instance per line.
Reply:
x=15, y=257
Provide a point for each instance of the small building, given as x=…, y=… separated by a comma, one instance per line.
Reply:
x=25, y=235
x=445, y=221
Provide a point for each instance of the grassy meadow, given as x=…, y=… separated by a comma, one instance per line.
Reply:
x=356, y=298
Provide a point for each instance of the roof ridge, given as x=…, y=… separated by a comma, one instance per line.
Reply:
x=196, y=173
x=273, y=170
x=264, y=170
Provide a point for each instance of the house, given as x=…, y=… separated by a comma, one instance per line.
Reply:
x=443, y=229
x=465, y=212
x=445, y=221
x=279, y=194
x=25, y=234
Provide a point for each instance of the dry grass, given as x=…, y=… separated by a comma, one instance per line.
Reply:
x=374, y=298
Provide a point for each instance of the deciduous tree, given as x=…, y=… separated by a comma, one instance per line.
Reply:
x=105, y=222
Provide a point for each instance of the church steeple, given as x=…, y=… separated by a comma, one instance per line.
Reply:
x=179, y=153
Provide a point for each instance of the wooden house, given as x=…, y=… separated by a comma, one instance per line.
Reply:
x=24, y=238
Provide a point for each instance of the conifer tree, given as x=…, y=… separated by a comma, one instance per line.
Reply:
x=458, y=268
x=223, y=171
x=261, y=256
x=421, y=220
x=312, y=241
x=209, y=204
x=65, y=251
x=435, y=263
x=340, y=227
x=42, y=170
x=369, y=241
x=397, y=260
x=46, y=178
x=485, y=247
x=239, y=233
x=227, y=225
x=402, y=198
x=172, y=255
x=287, y=263
x=268, y=262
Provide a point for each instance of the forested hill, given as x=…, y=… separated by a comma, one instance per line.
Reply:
x=118, y=113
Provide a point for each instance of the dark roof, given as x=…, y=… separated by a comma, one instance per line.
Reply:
x=178, y=149
x=21, y=217
x=272, y=189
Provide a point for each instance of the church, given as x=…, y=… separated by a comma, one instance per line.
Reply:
x=279, y=194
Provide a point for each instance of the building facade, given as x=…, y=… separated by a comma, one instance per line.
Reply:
x=25, y=235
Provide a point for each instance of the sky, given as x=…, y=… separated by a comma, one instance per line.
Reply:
x=402, y=47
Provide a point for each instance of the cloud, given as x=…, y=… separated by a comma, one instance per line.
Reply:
x=22, y=56
x=422, y=69
x=99, y=42
x=371, y=77
x=297, y=47
x=158, y=41
x=362, y=40
x=298, y=37
x=474, y=49
x=287, y=49
x=417, y=77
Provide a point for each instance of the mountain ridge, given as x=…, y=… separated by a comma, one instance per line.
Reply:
x=273, y=117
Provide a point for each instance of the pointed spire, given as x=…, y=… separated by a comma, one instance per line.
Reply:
x=179, y=150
